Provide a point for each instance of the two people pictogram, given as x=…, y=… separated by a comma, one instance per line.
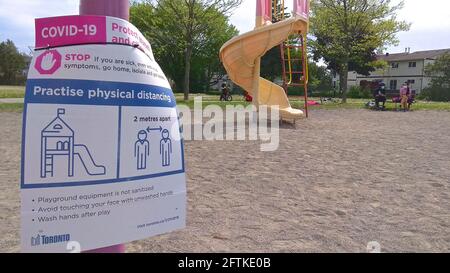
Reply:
x=142, y=148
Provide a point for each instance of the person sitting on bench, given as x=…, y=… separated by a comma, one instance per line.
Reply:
x=380, y=95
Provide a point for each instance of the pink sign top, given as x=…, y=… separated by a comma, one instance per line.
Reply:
x=70, y=30
x=88, y=29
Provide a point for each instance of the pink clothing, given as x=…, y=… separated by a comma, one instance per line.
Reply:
x=403, y=91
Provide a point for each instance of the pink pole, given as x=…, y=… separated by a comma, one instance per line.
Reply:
x=264, y=9
x=301, y=7
x=114, y=8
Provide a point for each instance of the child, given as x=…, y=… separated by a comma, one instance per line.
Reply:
x=247, y=96
x=410, y=95
x=404, y=95
x=224, y=92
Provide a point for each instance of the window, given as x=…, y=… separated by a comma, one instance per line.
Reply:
x=411, y=81
x=412, y=64
x=393, y=85
x=394, y=65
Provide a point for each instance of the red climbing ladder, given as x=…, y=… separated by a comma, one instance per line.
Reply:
x=294, y=65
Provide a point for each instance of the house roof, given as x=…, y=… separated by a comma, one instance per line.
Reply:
x=57, y=128
x=418, y=55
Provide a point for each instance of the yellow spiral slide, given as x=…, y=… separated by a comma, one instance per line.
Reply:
x=241, y=58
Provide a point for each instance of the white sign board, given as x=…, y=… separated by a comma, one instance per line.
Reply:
x=102, y=153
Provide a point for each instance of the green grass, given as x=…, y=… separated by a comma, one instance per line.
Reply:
x=438, y=106
x=11, y=107
x=205, y=97
x=351, y=104
x=360, y=104
x=10, y=91
x=296, y=102
x=222, y=104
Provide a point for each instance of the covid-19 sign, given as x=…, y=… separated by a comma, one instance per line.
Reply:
x=102, y=152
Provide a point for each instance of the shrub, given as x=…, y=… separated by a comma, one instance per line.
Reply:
x=425, y=94
x=357, y=92
x=327, y=94
x=435, y=94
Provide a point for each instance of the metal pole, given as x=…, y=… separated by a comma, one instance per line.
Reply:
x=114, y=8
x=263, y=14
x=283, y=67
x=305, y=72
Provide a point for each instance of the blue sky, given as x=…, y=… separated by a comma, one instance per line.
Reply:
x=430, y=21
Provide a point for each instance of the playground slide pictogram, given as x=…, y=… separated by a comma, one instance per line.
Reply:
x=58, y=138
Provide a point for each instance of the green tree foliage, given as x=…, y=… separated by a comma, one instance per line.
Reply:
x=319, y=78
x=439, y=71
x=271, y=63
x=206, y=63
x=271, y=66
x=186, y=36
x=348, y=32
x=12, y=63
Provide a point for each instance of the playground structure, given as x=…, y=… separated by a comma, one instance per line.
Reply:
x=241, y=56
x=57, y=139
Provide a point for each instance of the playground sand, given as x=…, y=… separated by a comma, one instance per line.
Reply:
x=341, y=179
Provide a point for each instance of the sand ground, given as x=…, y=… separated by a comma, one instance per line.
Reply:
x=338, y=180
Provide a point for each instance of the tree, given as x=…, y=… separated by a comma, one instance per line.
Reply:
x=186, y=29
x=347, y=34
x=319, y=78
x=206, y=63
x=164, y=37
x=439, y=71
x=12, y=62
x=271, y=64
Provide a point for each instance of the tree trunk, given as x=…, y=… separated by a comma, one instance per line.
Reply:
x=187, y=70
x=343, y=77
x=208, y=79
x=187, y=57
